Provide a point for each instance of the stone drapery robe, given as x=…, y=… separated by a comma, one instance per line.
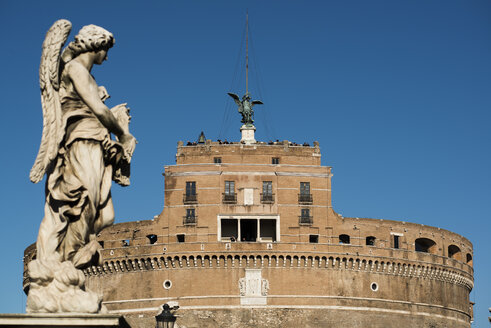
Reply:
x=78, y=188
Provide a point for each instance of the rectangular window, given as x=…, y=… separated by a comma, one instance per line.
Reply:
x=396, y=241
x=190, y=197
x=229, y=196
x=313, y=239
x=267, y=230
x=304, y=188
x=190, y=217
x=181, y=238
x=344, y=239
x=190, y=213
x=275, y=160
x=370, y=241
x=190, y=188
x=229, y=188
x=217, y=160
x=305, y=217
x=305, y=196
x=229, y=229
x=267, y=194
x=248, y=230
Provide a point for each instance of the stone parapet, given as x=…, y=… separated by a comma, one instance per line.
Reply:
x=62, y=320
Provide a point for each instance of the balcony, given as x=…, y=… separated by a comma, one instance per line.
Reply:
x=267, y=198
x=229, y=198
x=190, y=198
x=190, y=220
x=305, y=220
x=305, y=198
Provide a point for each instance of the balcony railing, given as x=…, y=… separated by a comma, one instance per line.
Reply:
x=267, y=198
x=190, y=198
x=305, y=220
x=190, y=220
x=305, y=198
x=229, y=198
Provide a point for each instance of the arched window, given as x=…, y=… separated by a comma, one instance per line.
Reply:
x=469, y=259
x=344, y=239
x=152, y=239
x=425, y=245
x=370, y=241
x=454, y=252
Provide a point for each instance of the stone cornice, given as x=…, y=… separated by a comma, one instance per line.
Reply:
x=385, y=266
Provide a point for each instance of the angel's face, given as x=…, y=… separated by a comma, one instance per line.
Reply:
x=101, y=56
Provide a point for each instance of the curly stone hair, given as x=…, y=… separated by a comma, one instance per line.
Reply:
x=90, y=38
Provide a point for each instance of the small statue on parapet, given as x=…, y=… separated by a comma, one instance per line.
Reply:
x=245, y=107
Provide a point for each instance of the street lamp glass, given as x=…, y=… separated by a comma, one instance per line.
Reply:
x=166, y=319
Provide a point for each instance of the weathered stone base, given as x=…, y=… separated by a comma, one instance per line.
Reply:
x=247, y=134
x=62, y=320
x=294, y=318
x=59, y=287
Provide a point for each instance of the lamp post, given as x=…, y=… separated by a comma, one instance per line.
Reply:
x=166, y=319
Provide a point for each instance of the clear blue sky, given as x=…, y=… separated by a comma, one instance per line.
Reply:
x=396, y=92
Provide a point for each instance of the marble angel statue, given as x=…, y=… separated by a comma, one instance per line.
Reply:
x=80, y=159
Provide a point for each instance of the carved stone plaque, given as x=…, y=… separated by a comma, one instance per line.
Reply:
x=248, y=196
x=253, y=289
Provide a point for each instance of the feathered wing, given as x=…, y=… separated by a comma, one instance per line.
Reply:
x=49, y=81
x=236, y=98
x=257, y=102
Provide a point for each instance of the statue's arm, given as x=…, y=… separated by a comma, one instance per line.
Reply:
x=88, y=91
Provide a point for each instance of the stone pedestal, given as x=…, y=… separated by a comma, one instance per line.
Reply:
x=62, y=320
x=248, y=134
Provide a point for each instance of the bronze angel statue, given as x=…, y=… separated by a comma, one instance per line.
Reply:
x=245, y=107
x=80, y=159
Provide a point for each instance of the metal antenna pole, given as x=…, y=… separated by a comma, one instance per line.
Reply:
x=247, y=51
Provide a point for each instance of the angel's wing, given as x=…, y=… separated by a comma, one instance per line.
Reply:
x=49, y=81
x=236, y=98
x=257, y=102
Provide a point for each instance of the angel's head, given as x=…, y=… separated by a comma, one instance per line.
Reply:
x=90, y=38
x=246, y=97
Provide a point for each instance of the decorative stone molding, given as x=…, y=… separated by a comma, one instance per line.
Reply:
x=242, y=286
x=387, y=266
x=264, y=287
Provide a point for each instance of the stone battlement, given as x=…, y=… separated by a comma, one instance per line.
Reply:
x=285, y=152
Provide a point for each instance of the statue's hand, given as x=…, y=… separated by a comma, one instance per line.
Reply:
x=122, y=114
x=129, y=142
